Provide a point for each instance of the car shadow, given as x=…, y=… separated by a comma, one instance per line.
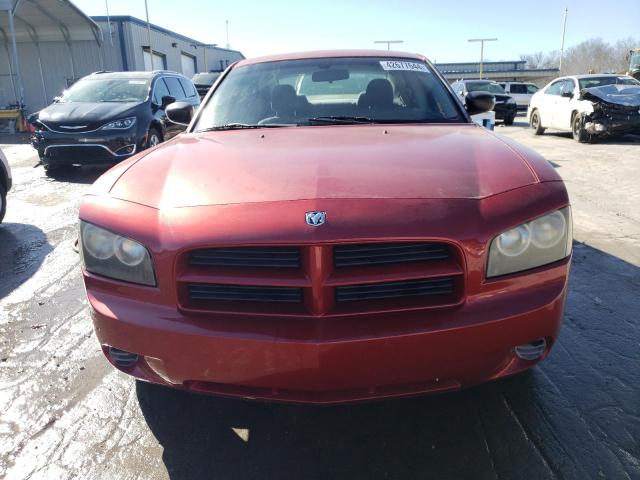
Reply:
x=80, y=175
x=573, y=416
x=23, y=248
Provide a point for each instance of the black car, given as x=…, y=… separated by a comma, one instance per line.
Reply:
x=506, y=107
x=204, y=81
x=106, y=117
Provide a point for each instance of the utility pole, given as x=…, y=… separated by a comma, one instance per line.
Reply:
x=482, y=40
x=564, y=30
x=227, y=25
x=388, y=42
x=149, y=34
x=106, y=3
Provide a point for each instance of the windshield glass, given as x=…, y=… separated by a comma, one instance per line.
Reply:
x=485, y=87
x=108, y=90
x=635, y=61
x=205, y=78
x=600, y=81
x=330, y=90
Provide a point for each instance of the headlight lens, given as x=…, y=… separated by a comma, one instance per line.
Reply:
x=121, y=124
x=111, y=255
x=544, y=240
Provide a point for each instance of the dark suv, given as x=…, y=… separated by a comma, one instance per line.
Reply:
x=505, y=108
x=106, y=117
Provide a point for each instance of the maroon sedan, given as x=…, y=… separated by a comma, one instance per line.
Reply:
x=332, y=227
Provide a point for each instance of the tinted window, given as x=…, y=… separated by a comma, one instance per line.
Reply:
x=159, y=90
x=175, y=89
x=518, y=88
x=295, y=92
x=188, y=87
x=555, y=88
x=490, y=87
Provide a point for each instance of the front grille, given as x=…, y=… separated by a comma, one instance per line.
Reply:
x=387, y=253
x=247, y=257
x=411, y=288
x=321, y=280
x=241, y=293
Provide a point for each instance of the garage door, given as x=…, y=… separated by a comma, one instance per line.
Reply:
x=159, y=62
x=188, y=65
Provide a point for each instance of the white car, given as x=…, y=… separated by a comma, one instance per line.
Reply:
x=521, y=92
x=589, y=106
x=5, y=184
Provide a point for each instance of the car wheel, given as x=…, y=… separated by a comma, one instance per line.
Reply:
x=3, y=202
x=153, y=137
x=578, y=131
x=535, y=123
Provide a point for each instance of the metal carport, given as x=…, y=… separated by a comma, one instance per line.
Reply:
x=27, y=27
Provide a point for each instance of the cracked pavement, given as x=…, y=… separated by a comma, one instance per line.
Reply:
x=65, y=413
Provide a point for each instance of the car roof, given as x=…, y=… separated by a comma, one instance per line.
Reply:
x=133, y=75
x=332, y=54
x=599, y=75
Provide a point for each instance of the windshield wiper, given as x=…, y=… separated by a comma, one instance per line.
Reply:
x=240, y=126
x=341, y=119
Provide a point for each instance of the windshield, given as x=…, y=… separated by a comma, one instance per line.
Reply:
x=329, y=90
x=635, y=61
x=108, y=90
x=485, y=87
x=205, y=78
x=611, y=80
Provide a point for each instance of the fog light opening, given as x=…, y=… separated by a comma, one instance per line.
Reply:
x=531, y=351
x=126, y=150
x=121, y=358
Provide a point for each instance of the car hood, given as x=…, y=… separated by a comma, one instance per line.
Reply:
x=286, y=164
x=81, y=113
x=626, y=95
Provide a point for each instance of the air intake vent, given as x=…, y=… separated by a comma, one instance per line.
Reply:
x=241, y=293
x=410, y=288
x=247, y=257
x=387, y=253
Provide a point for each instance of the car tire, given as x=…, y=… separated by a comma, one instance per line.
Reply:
x=535, y=123
x=153, y=137
x=509, y=121
x=3, y=202
x=578, y=131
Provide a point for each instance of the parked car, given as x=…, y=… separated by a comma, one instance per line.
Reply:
x=505, y=107
x=332, y=227
x=588, y=106
x=204, y=81
x=107, y=117
x=521, y=92
x=5, y=184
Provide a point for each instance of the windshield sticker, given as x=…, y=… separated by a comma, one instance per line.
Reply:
x=398, y=65
x=137, y=82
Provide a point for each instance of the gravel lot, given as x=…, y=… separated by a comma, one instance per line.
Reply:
x=65, y=413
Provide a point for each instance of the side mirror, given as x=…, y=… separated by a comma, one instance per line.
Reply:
x=167, y=100
x=567, y=94
x=479, y=102
x=180, y=113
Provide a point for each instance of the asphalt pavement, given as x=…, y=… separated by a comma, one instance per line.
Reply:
x=65, y=413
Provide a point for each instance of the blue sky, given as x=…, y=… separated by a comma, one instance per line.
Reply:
x=438, y=29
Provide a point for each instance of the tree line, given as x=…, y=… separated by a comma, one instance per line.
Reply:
x=591, y=56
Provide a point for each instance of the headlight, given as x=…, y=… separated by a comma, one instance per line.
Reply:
x=121, y=124
x=105, y=253
x=544, y=240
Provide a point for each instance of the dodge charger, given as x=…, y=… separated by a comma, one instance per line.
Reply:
x=331, y=227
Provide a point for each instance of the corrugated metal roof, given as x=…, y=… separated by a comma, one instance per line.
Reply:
x=48, y=20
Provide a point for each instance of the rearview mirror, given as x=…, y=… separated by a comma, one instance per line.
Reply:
x=479, y=102
x=180, y=113
x=167, y=100
x=330, y=75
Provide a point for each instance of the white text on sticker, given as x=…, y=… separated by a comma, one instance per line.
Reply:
x=398, y=65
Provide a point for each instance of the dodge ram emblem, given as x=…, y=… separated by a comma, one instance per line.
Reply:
x=315, y=219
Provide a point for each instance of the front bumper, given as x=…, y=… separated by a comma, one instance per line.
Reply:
x=416, y=353
x=86, y=148
x=505, y=110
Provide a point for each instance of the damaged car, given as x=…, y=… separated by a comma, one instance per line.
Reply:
x=591, y=107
